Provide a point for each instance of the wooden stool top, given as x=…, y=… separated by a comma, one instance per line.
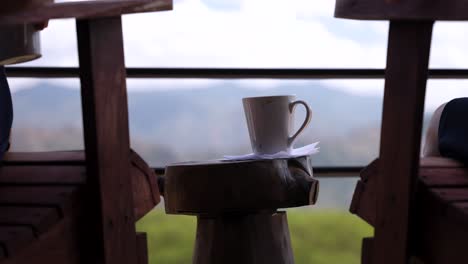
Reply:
x=83, y=10
x=239, y=186
x=402, y=9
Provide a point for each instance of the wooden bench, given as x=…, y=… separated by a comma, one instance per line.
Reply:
x=43, y=202
x=441, y=230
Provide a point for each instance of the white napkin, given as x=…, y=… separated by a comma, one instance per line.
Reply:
x=303, y=151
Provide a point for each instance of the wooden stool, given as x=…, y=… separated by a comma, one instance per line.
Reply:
x=236, y=204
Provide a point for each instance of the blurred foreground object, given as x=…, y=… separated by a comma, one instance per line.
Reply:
x=16, y=5
x=23, y=38
x=23, y=43
x=6, y=113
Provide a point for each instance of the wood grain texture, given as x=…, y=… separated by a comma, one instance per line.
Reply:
x=48, y=158
x=442, y=233
x=145, y=187
x=29, y=180
x=43, y=175
x=57, y=245
x=441, y=213
x=142, y=248
x=419, y=10
x=367, y=250
x=364, y=202
x=105, y=121
x=448, y=183
x=246, y=239
x=246, y=186
x=45, y=196
x=452, y=195
x=12, y=6
x=40, y=219
x=449, y=178
x=405, y=85
x=14, y=238
x=82, y=10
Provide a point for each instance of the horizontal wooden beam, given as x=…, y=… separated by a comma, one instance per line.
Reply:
x=82, y=10
x=456, y=10
x=230, y=73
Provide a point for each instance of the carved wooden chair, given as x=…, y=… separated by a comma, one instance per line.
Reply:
x=417, y=206
x=81, y=207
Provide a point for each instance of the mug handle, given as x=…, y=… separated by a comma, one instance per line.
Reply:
x=306, y=121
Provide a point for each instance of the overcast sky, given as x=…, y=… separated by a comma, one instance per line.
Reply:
x=260, y=33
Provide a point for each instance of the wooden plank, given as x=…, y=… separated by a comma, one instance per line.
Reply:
x=139, y=165
x=441, y=233
x=364, y=201
x=142, y=248
x=367, y=250
x=42, y=175
x=405, y=86
x=448, y=177
x=370, y=170
x=57, y=245
x=452, y=194
x=402, y=10
x=105, y=121
x=439, y=162
x=84, y=10
x=57, y=197
x=39, y=218
x=433, y=172
x=15, y=238
x=47, y=158
x=463, y=208
x=451, y=183
x=247, y=239
x=3, y=253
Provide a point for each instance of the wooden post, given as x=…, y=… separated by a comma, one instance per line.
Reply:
x=105, y=120
x=237, y=217
x=405, y=86
x=246, y=238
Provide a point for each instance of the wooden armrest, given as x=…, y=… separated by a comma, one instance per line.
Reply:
x=402, y=10
x=83, y=10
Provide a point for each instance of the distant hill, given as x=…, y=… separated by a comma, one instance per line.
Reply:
x=200, y=120
x=177, y=124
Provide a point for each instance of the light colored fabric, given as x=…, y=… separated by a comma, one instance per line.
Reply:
x=6, y=113
x=431, y=143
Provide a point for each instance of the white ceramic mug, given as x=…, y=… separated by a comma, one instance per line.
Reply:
x=270, y=120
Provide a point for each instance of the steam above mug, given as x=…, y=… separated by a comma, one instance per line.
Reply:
x=270, y=121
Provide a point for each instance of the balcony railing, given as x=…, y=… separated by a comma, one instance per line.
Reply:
x=238, y=73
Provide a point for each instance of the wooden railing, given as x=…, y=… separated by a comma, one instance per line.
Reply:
x=242, y=73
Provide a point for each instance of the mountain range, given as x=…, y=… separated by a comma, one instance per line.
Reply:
x=179, y=124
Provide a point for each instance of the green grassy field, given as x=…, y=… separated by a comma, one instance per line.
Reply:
x=318, y=236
